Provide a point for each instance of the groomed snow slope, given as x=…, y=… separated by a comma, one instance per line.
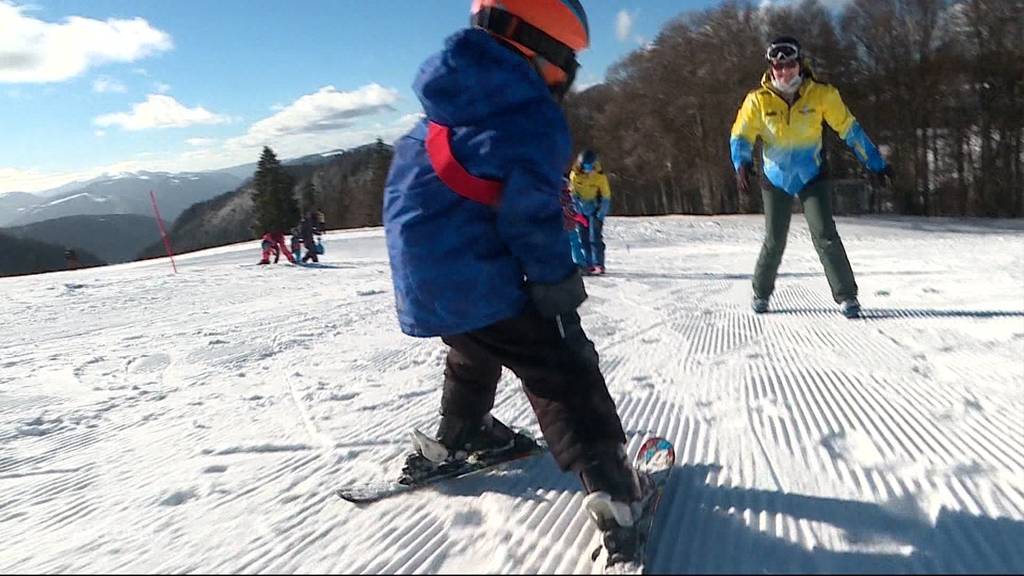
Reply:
x=199, y=422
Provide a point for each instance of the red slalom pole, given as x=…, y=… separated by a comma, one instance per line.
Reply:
x=163, y=233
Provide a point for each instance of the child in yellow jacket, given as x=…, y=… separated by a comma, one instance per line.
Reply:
x=593, y=196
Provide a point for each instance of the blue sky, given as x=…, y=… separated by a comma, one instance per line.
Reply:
x=92, y=86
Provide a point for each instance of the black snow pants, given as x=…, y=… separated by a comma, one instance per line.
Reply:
x=558, y=367
x=310, y=244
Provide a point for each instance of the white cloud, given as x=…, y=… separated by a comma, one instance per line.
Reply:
x=296, y=145
x=212, y=154
x=161, y=88
x=326, y=110
x=239, y=151
x=408, y=120
x=100, y=133
x=33, y=180
x=105, y=85
x=623, y=25
x=159, y=111
x=34, y=51
x=17, y=180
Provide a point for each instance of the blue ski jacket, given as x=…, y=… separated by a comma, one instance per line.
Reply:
x=458, y=264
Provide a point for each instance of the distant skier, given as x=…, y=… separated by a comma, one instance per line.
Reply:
x=786, y=112
x=308, y=228
x=273, y=243
x=593, y=195
x=475, y=236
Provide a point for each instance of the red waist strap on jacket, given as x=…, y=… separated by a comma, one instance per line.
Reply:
x=451, y=172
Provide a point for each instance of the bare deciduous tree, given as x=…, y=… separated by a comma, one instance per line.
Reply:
x=940, y=84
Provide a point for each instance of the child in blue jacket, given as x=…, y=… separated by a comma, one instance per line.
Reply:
x=476, y=242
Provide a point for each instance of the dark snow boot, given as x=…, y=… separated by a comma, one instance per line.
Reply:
x=759, y=305
x=460, y=440
x=464, y=437
x=616, y=497
x=850, y=308
x=606, y=469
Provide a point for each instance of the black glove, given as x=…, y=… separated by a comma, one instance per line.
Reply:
x=743, y=178
x=554, y=299
x=881, y=179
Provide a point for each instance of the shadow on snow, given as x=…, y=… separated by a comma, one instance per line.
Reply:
x=956, y=542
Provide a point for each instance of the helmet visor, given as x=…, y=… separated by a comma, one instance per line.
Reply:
x=782, y=52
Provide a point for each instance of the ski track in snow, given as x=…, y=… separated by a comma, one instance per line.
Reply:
x=200, y=422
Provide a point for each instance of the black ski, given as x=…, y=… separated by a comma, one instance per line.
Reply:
x=479, y=462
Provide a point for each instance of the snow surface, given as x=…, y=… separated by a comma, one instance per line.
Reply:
x=84, y=195
x=200, y=422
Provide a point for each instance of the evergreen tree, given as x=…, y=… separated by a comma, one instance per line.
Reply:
x=276, y=208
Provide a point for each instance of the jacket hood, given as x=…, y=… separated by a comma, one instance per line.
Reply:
x=474, y=77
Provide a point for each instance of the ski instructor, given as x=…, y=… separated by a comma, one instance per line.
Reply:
x=786, y=112
x=475, y=238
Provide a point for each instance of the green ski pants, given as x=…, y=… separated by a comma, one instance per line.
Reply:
x=816, y=199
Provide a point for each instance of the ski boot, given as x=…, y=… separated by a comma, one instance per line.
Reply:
x=616, y=499
x=458, y=440
x=850, y=308
x=759, y=305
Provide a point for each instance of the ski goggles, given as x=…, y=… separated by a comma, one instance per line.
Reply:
x=587, y=167
x=560, y=88
x=782, y=52
x=550, y=50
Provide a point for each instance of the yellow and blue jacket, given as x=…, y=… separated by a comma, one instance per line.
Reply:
x=590, y=191
x=792, y=133
x=590, y=186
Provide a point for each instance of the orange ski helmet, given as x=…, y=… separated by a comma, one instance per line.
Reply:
x=548, y=32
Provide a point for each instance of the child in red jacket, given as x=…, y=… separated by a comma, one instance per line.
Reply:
x=273, y=243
